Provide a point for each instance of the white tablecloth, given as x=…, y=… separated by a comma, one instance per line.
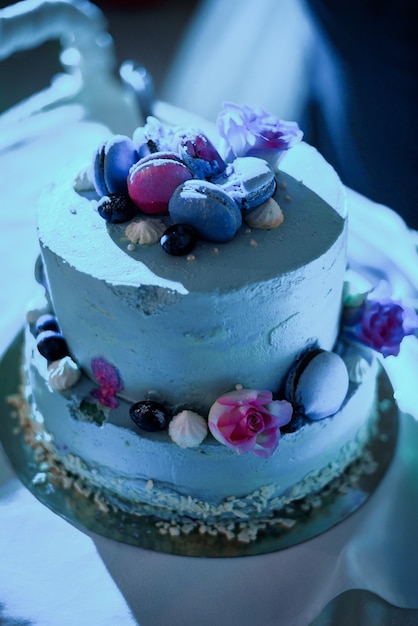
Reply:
x=52, y=574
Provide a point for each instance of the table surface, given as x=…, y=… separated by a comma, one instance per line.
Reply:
x=48, y=568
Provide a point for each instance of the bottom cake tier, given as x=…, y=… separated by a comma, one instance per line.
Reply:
x=146, y=473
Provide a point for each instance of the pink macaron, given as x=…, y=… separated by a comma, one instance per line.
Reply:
x=152, y=181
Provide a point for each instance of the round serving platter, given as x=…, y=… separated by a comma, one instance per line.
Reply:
x=83, y=511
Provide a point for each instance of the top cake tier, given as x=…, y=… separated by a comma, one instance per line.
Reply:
x=184, y=330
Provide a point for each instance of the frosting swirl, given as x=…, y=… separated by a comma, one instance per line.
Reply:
x=188, y=429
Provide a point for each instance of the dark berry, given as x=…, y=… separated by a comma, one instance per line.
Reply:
x=46, y=322
x=116, y=208
x=178, y=239
x=52, y=345
x=149, y=415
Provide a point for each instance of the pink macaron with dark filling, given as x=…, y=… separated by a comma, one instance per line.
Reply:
x=152, y=181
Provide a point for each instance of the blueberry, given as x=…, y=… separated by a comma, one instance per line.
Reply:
x=149, y=415
x=116, y=208
x=46, y=322
x=52, y=345
x=178, y=239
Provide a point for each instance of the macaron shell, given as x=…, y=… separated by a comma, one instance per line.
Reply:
x=322, y=386
x=160, y=155
x=111, y=164
x=249, y=181
x=152, y=183
x=120, y=155
x=206, y=207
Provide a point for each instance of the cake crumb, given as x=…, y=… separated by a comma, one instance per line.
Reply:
x=288, y=197
x=286, y=522
x=82, y=489
x=226, y=531
x=245, y=535
x=40, y=478
x=191, y=257
x=100, y=503
x=186, y=529
x=67, y=481
x=253, y=243
x=316, y=502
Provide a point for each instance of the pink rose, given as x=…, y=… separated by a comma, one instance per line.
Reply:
x=379, y=322
x=255, y=132
x=249, y=421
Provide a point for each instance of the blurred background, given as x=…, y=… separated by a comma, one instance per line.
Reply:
x=344, y=69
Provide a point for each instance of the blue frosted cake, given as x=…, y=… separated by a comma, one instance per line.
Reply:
x=198, y=358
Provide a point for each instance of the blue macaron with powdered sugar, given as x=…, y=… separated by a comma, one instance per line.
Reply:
x=249, y=181
x=207, y=208
x=111, y=164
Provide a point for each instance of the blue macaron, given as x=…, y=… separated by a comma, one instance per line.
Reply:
x=207, y=208
x=317, y=384
x=249, y=181
x=111, y=164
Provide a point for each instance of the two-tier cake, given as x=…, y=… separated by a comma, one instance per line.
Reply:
x=198, y=358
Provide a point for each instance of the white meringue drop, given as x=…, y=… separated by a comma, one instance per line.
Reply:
x=265, y=217
x=145, y=232
x=63, y=374
x=188, y=429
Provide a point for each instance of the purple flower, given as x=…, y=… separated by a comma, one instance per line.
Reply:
x=249, y=421
x=109, y=382
x=254, y=132
x=379, y=322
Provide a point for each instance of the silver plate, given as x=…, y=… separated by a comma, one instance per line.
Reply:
x=82, y=512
